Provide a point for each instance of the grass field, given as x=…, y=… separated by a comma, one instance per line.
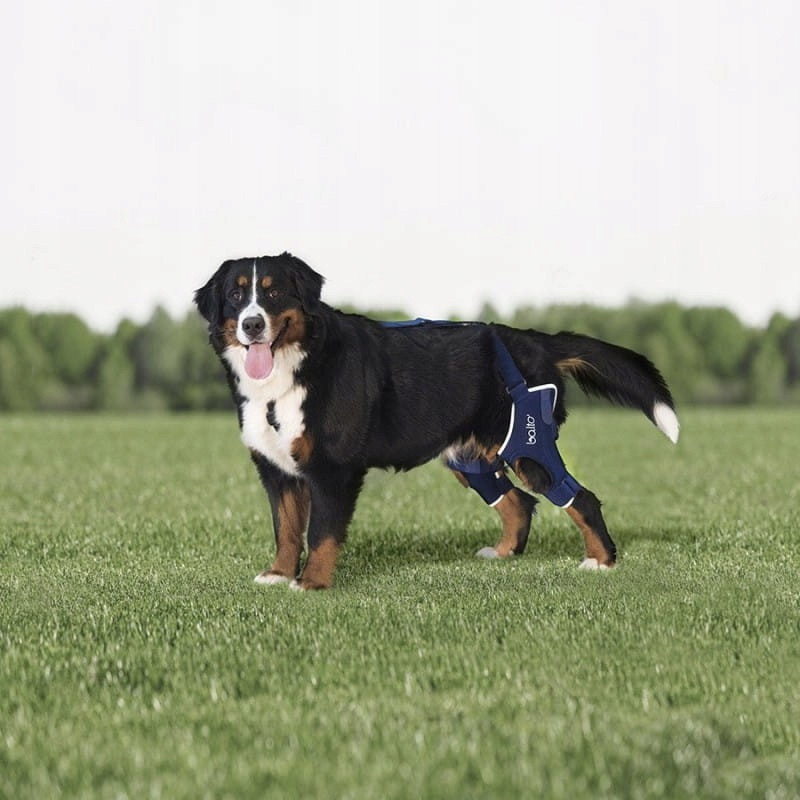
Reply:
x=138, y=659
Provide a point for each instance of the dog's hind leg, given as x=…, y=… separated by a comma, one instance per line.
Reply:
x=515, y=507
x=601, y=552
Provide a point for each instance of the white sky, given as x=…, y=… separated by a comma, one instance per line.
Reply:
x=427, y=155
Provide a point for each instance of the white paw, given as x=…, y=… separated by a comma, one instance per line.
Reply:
x=270, y=578
x=296, y=586
x=591, y=564
x=487, y=552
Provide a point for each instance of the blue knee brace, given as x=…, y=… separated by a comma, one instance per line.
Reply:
x=486, y=478
x=532, y=433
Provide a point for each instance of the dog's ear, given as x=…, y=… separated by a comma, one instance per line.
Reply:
x=209, y=297
x=307, y=282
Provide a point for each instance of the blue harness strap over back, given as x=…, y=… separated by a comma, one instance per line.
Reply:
x=532, y=432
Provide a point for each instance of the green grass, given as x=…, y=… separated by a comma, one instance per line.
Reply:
x=138, y=659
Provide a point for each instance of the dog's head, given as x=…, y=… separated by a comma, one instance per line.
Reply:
x=257, y=306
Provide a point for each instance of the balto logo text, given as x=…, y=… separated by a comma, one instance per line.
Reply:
x=530, y=426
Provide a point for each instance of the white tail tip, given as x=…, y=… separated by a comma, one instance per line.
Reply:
x=667, y=421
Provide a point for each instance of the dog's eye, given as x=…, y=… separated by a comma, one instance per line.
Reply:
x=273, y=293
x=236, y=295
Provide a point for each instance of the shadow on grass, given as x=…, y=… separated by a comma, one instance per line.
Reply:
x=397, y=547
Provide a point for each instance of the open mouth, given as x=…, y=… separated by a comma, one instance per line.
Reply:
x=260, y=358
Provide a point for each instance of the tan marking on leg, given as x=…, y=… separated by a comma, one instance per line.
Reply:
x=516, y=469
x=516, y=515
x=490, y=453
x=318, y=573
x=594, y=545
x=302, y=447
x=516, y=510
x=293, y=509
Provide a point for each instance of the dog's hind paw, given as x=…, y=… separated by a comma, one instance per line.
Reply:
x=487, y=552
x=305, y=585
x=271, y=578
x=592, y=564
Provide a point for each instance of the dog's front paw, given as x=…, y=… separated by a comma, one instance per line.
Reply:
x=592, y=564
x=268, y=578
x=488, y=552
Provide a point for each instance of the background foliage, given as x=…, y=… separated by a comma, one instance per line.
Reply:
x=54, y=361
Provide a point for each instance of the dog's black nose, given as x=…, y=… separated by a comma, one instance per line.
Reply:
x=253, y=326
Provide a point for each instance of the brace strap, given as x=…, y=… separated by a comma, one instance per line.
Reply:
x=487, y=478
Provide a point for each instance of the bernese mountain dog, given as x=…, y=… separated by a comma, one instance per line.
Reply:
x=323, y=396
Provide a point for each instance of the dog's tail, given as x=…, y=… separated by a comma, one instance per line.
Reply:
x=620, y=375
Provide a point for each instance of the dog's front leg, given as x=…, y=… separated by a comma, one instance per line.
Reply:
x=333, y=500
x=290, y=500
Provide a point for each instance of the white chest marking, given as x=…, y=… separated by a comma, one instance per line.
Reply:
x=279, y=388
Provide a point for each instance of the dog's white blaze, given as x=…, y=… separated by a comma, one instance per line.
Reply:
x=667, y=421
x=279, y=388
x=253, y=309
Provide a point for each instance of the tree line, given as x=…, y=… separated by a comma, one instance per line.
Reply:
x=56, y=362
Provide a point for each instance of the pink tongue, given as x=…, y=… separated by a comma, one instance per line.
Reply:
x=258, y=363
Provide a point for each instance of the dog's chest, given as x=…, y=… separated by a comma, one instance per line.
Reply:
x=272, y=417
x=271, y=425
